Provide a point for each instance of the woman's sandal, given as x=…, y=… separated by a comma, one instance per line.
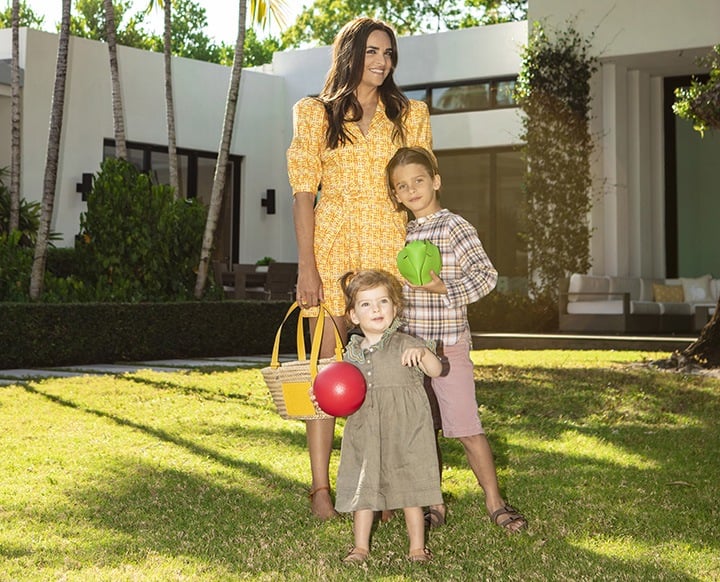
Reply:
x=311, y=494
x=434, y=518
x=420, y=555
x=356, y=556
x=513, y=517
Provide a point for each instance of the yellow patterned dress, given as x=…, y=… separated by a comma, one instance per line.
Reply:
x=356, y=226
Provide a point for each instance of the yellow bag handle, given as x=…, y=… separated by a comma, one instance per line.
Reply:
x=317, y=339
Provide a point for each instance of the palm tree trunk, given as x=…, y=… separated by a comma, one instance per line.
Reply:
x=169, y=104
x=223, y=153
x=14, y=223
x=37, y=276
x=117, y=107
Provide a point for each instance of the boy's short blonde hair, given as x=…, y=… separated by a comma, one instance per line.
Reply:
x=403, y=157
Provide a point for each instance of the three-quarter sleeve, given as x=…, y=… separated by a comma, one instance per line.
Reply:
x=304, y=154
x=418, y=130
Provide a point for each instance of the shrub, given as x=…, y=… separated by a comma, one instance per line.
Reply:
x=140, y=243
x=554, y=92
x=513, y=312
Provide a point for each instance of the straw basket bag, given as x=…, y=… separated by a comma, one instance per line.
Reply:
x=290, y=382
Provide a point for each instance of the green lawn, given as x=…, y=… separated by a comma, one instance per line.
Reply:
x=193, y=476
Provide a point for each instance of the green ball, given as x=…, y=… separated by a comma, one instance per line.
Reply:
x=417, y=259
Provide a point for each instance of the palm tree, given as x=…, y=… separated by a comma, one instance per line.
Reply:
x=169, y=102
x=118, y=116
x=14, y=223
x=259, y=14
x=37, y=276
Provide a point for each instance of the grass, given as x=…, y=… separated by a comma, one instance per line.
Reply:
x=193, y=476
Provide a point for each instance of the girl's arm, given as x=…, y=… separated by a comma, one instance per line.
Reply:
x=424, y=359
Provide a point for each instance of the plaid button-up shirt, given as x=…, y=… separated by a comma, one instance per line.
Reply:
x=466, y=271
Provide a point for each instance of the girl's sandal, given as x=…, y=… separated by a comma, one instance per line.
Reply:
x=420, y=555
x=356, y=556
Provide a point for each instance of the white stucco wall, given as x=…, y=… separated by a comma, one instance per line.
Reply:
x=638, y=44
x=635, y=27
x=473, y=53
x=200, y=96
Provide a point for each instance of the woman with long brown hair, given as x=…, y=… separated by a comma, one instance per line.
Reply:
x=342, y=141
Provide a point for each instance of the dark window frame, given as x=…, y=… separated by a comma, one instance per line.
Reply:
x=493, y=102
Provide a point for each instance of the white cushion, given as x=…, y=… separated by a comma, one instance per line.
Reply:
x=645, y=308
x=697, y=290
x=598, y=285
x=595, y=307
x=629, y=285
x=715, y=289
x=677, y=308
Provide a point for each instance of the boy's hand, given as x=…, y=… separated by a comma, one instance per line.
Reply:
x=437, y=285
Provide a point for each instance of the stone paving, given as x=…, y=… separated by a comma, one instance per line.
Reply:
x=8, y=377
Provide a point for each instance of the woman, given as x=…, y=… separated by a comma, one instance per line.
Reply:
x=342, y=141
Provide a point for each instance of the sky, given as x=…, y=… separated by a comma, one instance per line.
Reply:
x=222, y=16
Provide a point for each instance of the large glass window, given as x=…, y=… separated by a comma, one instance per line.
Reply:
x=484, y=186
x=477, y=95
x=196, y=174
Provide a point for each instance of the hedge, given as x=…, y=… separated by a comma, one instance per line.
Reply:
x=49, y=334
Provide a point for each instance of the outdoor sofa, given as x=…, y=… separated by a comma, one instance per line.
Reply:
x=603, y=303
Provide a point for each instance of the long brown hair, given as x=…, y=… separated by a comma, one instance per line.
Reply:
x=344, y=76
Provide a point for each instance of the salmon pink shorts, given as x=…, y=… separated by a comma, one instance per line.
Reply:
x=455, y=392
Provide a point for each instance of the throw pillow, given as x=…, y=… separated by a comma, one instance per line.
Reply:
x=668, y=293
x=697, y=290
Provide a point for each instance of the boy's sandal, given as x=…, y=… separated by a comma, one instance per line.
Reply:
x=513, y=517
x=420, y=555
x=434, y=518
x=356, y=556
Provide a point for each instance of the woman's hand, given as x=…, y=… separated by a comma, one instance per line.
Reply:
x=309, y=287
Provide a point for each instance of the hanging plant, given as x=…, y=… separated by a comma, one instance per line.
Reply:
x=700, y=102
x=553, y=90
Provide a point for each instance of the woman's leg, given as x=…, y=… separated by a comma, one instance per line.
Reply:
x=320, y=434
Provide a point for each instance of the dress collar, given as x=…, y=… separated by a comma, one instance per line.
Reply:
x=354, y=349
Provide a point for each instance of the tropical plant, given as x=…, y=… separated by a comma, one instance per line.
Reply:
x=14, y=221
x=259, y=14
x=700, y=102
x=152, y=252
x=117, y=104
x=553, y=91
x=28, y=216
x=53, y=155
x=169, y=101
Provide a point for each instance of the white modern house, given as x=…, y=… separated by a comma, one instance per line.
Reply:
x=657, y=205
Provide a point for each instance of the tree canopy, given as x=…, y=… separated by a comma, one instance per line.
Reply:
x=318, y=23
x=27, y=17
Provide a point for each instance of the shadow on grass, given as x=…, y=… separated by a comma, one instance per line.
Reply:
x=580, y=500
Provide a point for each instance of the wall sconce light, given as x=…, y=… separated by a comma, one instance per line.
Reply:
x=269, y=201
x=85, y=186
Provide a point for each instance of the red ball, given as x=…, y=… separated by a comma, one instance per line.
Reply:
x=339, y=389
